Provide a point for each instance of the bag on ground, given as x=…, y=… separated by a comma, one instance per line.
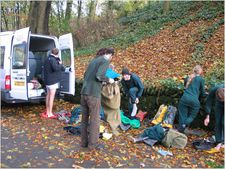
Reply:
x=160, y=114
x=175, y=139
x=169, y=117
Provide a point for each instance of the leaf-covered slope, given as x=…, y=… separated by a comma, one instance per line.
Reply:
x=167, y=54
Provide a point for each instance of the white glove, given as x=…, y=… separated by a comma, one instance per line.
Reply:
x=137, y=101
x=111, y=80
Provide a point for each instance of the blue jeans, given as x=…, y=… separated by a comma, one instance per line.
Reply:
x=132, y=96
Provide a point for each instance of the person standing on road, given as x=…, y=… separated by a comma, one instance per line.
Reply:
x=133, y=88
x=52, y=75
x=189, y=104
x=91, y=97
x=216, y=98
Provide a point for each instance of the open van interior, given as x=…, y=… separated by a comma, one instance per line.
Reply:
x=22, y=65
x=39, y=49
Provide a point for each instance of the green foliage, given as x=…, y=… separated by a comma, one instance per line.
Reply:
x=150, y=20
x=207, y=12
x=216, y=74
x=209, y=32
x=171, y=83
x=166, y=87
x=198, y=53
x=145, y=22
x=213, y=164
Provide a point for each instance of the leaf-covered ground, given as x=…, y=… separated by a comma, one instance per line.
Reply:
x=29, y=141
x=168, y=53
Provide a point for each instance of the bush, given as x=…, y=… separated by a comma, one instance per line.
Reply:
x=100, y=29
x=216, y=74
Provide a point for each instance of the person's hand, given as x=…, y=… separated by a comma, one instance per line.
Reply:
x=111, y=80
x=206, y=121
x=137, y=101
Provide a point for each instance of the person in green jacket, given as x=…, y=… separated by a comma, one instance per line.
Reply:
x=91, y=97
x=216, y=98
x=189, y=104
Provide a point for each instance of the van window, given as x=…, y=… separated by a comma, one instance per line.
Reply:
x=65, y=56
x=19, y=56
x=2, y=52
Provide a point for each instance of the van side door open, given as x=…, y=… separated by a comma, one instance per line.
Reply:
x=67, y=84
x=19, y=64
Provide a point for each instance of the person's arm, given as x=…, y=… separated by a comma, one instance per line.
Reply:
x=100, y=75
x=56, y=66
x=202, y=88
x=139, y=85
x=209, y=104
x=210, y=100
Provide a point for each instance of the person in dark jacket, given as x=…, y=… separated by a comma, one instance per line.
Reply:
x=189, y=104
x=52, y=75
x=133, y=88
x=91, y=98
x=216, y=99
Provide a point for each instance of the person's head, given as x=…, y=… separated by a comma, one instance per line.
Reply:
x=220, y=94
x=198, y=70
x=55, y=51
x=109, y=52
x=106, y=52
x=126, y=74
x=101, y=52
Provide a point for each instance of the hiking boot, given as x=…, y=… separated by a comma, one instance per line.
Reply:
x=181, y=128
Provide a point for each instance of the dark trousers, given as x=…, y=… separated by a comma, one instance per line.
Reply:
x=187, y=113
x=219, y=126
x=132, y=97
x=90, y=108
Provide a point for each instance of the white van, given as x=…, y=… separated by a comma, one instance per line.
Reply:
x=22, y=59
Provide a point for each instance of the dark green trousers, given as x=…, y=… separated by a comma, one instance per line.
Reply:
x=187, y=109
x=219, y=120
x=90, y=109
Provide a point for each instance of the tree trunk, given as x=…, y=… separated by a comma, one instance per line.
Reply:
x=17, y=12
x=5, y=19
x=109, y=9
x=166, y=7
x=58, y=16
x=79, y=12
x=39, y=16
x=92, y=9
x=68, y=9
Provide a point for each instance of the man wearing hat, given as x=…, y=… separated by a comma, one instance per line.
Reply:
x=133, y=88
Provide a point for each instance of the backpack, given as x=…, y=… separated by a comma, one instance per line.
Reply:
x=169, y=117
x=160, y=114
x=75, y=113
x=174, y=138
x=203, y=144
